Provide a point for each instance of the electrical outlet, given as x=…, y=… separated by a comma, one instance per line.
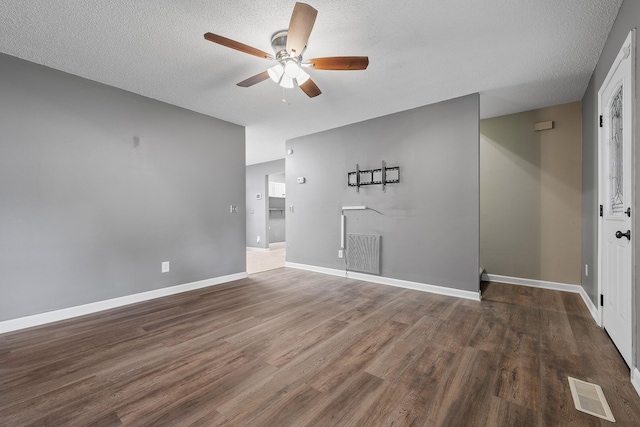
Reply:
x=165, y=267
x=340, y=253
x=233, y=208
x=586, y=270
x=258, y=239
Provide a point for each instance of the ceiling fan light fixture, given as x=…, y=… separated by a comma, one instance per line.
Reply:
x=276, y=72
x=286, y=82
x=291, y=69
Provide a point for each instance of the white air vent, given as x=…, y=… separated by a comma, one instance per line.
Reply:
x=363, y=253
x=589, y=398
x=543, y=126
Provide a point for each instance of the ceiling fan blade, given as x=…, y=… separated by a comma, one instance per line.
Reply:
x=339, y=63
x=300, y=26
x=254, y=80
x=237, y=46
x=310, y=88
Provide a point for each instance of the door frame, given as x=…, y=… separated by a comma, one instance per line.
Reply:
x=628, y=49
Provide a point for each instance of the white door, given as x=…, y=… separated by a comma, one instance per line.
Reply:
x=615, y=106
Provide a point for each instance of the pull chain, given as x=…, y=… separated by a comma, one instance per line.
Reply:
x=284, y=96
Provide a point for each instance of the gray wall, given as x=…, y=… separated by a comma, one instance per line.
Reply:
x=429, y=222
x=258, y=210
x=277, y=177
x=628, y=18
x=276, y=224
x=530, y=195
x=277, y=220
x=98, y=186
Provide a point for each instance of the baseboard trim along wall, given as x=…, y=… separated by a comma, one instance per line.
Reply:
x=554, y=286
x=94, y=307
x=388, y=281
x=251, y=248
x=635, y=380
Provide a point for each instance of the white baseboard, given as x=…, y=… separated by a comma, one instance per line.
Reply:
x=554, y=286
x=323, y=270
x=251, y=248
x=277, y=245
x=94, y=307
x=441, y=290
x=635, y=380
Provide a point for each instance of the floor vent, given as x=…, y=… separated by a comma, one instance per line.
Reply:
x=590, y=399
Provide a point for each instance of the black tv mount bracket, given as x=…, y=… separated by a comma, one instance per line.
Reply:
x=384, y=176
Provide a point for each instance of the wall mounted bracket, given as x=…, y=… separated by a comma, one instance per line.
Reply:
x=384, y=176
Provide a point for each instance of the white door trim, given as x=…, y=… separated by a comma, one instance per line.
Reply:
x=628, y=49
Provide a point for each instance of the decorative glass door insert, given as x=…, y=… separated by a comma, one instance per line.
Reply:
x=616, y=156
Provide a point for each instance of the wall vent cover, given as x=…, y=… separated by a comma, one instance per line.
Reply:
x=363, y=253
x=589, y=398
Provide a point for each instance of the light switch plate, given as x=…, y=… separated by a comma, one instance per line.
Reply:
x=165, y=267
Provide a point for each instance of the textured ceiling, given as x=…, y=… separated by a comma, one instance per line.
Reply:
x=518, y=54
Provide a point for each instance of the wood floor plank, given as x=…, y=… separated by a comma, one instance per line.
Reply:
x=356, y=357
x=519, y=381
x=289, y=347
x=503, y=413
x=210, y=419
x=476, y=377
x=556, y=332
x=392, y=362
x=413, y=398
x=574, y=306
x=351, y=402
x=314, y=337
x=295, y=372
x=490, y=330
x=290, y=410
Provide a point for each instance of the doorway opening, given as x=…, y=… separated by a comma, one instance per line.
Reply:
x=271, y=255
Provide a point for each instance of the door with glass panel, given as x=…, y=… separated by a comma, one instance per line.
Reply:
x=615, y=104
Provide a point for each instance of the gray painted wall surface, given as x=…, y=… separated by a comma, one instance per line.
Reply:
x=429, y=222
x=258, y=210
x=277, y=177
x=98, y=186
x=628, y=18
x=277, y=219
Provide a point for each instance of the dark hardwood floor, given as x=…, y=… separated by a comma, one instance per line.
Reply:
x=288, y=347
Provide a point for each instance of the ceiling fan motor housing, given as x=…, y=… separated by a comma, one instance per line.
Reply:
x=279, y=41
x=279, y=45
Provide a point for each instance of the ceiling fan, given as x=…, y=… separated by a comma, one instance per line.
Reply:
x=289, y=45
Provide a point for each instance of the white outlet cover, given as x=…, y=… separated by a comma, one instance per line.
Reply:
x=165, y=267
